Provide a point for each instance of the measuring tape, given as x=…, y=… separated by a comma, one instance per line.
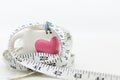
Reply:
x=26, y=58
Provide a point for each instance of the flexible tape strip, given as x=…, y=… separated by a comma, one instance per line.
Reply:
x=43, y=58
x=34, y=61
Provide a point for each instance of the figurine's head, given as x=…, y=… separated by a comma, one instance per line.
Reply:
x=47, y=22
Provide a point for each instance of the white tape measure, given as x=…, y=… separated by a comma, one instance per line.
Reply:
x=36, y=53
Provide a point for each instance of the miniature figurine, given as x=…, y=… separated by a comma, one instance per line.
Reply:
x=47, y=26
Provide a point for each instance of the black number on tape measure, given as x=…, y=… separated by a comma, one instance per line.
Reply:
x=19, y=60
x=103, y=78
x=68, y=36
x=98, y=78
x=67, y=51
x=52, y=64
x=13, y=66
x=58, y=73
x=43, y=58
x=36, y=67
x=39, y=68
x=66, y=57
x=78, y=75
x=61, y=36
x=63, y=43
x=64, y=65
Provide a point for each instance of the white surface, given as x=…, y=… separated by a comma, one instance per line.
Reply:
x=94, y=24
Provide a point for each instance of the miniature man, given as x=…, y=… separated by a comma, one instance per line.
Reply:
x=47, y=27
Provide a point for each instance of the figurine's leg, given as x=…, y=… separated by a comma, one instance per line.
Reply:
x=50, y=31
x=46, y=30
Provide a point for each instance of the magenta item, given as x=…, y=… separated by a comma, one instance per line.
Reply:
x=51, y=47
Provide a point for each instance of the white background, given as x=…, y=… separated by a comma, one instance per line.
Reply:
x=94, y=25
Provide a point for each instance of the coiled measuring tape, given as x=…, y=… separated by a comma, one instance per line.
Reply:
x=28, y=58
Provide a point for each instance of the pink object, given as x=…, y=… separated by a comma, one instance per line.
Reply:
x=51, y=47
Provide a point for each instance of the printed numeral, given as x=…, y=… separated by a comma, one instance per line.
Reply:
x=19, y=60
x=13, y=66
x=58, y=73
x=36, y=67
x=98, y=78
x=39, y=68
x=52, y=64
x=43, y=58
x=78, y=75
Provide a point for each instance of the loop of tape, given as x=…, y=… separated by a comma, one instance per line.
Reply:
x=27, y=58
